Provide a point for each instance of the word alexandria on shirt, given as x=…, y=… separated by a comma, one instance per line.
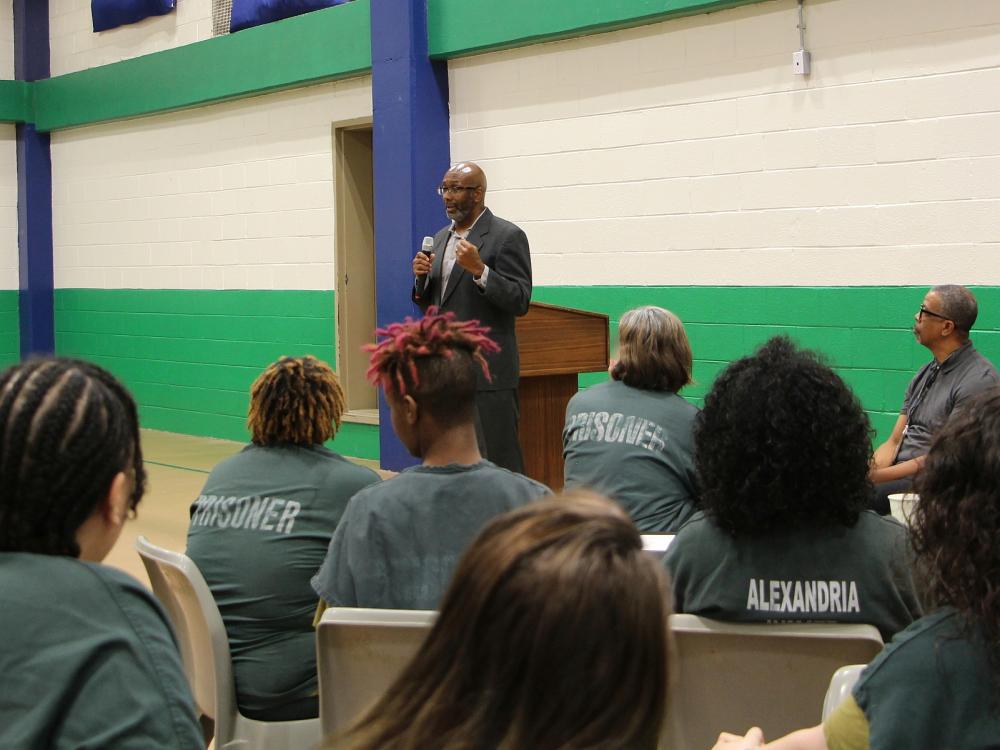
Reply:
x=803, y=596
x=615, y=427
x=261, y=513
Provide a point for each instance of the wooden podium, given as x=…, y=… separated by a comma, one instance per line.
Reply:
x=555, y=345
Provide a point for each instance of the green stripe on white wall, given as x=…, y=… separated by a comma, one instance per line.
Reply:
x=463, y=27
x=10, y=328
x=864, y=332
x=190, y=356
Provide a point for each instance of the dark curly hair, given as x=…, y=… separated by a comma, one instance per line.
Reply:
x=782, y=442
x=955, y=527
x=68, y=427
x=296, y=400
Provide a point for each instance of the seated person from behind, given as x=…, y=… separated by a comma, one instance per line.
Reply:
x=552, y=635
x=957, y=373
x=261, y=526
x=87, y=655
x=782, y=450
x=630, y=438
x=399, y=541
x=937, y=685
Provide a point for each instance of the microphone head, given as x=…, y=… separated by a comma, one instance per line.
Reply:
x=427, y=245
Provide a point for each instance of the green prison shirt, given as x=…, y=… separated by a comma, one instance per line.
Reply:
x=931, y=688
x=636, y=447
x=88, y=661
x=259, y=530
x=399, y=541
x=860, y=574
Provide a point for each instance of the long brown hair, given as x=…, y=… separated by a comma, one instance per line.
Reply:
x=553, y=634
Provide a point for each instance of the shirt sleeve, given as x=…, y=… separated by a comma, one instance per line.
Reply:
x=846, y=728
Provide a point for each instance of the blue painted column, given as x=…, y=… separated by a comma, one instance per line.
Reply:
x=34, y=187
x=411, y=152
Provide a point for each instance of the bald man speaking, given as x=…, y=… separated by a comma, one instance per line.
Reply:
x=480, y=269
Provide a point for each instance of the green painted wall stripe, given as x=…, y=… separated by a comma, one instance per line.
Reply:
x=190, y=356
x=10, y=336
x=15, y=101
x=463, y=27
x=320, y=46
x=864, y=332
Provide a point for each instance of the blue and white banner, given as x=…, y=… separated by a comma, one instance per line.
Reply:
x=108, y=14
x=247, y=13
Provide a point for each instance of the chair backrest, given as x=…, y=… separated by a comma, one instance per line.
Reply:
x=204, y=646
x=841, y=685
x=359, y=652
x=657, y=544
x=731, y=676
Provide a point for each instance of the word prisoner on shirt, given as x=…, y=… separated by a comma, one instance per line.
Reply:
x=803, y=596
x=256, y=513
x=602, y=426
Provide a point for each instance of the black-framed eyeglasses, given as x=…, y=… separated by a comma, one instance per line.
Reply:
x=442, y=189
x=924, y=311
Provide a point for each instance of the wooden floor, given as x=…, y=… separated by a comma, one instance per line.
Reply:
x=177, y=466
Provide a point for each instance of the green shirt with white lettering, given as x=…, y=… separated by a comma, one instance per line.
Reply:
x=635, y=446
x=859, y=574
x=259, y=531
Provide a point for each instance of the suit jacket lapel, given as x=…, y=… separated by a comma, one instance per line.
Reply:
x=481, y=228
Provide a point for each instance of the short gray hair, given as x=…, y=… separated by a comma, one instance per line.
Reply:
x=958, y=305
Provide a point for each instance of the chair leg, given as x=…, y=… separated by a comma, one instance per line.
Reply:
x=207, y=728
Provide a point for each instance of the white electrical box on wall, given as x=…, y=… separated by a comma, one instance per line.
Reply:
x=801, y=62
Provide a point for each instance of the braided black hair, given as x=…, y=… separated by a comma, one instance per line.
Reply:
x=67, y=427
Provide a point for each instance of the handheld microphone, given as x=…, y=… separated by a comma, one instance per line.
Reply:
x=425, y=247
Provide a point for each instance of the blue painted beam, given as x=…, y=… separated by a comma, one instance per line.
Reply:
x=411, y=143
x=34, y=187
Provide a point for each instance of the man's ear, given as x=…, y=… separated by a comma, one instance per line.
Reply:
x=115, y=507
x=411, y=410
x=947, y=327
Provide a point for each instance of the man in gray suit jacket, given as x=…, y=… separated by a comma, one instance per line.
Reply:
x=480, y=269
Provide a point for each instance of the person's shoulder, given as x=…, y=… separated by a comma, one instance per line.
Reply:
x=499, y=224
x=344, y=466
x=698, y=538
x=697, y=526
x=493, y=473
x=905, y=654
x=872, y=522
x=595, y=392
x=983, y=365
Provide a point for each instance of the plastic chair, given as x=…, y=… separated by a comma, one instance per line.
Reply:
x=657, y=544
x=204, y=647
x=731, y=676
x=841, y=685
x=359, y=653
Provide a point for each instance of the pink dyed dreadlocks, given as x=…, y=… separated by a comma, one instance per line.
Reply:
x=434, y=335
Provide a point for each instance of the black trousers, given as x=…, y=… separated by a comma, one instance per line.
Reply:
x=497, y=414
x=882, y=490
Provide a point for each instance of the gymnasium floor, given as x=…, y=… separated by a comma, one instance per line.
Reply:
x=177, y=466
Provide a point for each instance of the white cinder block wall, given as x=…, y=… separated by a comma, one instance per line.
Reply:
x=687, y=152
x=232, y=196
x=8, y=160
x=6, y=41
x=8, y=208
x=75, y=46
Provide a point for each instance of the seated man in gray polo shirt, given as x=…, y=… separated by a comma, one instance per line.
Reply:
x=957, y=373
